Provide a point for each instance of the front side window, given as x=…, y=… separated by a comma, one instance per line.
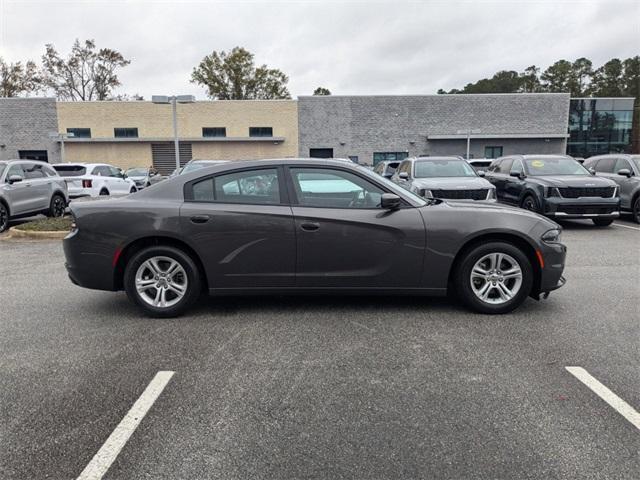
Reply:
x=15, y=169
x=328, y=188
x=517, y=167
x=125, y=132
x=554, y=166
x=260, y=131
x=443, y=168
x=250, y=186
x=505, y=166
x=79, y=132
x=622, y=163
x=605, y=165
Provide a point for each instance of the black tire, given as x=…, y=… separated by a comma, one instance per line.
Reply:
x=133, y=190
x=4, y=217
x=57, y=206
x=463, y=279
x=193, y=282
x=530, y=203
x=104, y=192
x=635, y=209
x=602, y=222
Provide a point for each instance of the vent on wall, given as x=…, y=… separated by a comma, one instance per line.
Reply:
x=164, y=156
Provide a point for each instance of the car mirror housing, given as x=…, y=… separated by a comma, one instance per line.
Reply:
x=481, y=173
x=390, y=201
x=14, y=179
x=625, y=172
x=403, y=175
x=517, y=174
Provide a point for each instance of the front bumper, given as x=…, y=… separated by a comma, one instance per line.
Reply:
x=582, y=207
x=553, y=256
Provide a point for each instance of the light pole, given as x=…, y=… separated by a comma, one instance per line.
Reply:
x=60, y=137
x=468, y=133
x=174, y=100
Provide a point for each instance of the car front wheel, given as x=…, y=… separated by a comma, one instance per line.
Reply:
x=636, y=209
x=494, y=278
x=163, y=281
x=4, y=217
x=602, y=222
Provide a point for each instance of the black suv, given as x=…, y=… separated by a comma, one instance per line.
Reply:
x=555, y=186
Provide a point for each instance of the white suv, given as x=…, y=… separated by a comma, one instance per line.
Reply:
x=94, y=179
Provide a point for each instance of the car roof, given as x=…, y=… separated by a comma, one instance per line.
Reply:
x=442, y=157
x=69, y=164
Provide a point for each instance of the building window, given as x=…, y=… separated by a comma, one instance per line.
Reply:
x=260, y=132
x=214, y=132
x=388, y=156
x=492, y=152
x=125, y=132
x=33, y=155
x=79, y=132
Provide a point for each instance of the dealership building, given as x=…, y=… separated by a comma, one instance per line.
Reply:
x=367, y=129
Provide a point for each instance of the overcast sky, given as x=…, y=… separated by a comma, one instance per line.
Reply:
x=350, y=47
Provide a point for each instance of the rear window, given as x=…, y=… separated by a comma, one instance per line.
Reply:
x=70, y=170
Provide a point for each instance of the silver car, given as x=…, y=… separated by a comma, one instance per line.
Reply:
x=449, y=178
x=29, y=187
x=623, y=169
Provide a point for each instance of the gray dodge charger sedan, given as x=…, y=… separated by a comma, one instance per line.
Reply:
x=307, y=226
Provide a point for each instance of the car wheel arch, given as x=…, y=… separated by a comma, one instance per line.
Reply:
x=530, y=193
x=508, y=237
x=134, y=246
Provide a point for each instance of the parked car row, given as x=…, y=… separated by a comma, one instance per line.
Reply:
x=556, y=186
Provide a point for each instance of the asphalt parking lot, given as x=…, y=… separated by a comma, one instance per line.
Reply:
x=300, y=387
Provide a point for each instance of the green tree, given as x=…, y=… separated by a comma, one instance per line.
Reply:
x=234, y=76
x=557, y=77
x=581, y=75
x=607, y=80
x=17, y=79
x=631, y=77
x=87, y=73
x=322, y=91
x=529, y=81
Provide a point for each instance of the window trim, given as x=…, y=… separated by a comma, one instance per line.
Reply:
x=293, y=195
x=187, y=190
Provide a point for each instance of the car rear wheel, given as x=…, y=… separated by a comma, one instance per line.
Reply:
x=104, y=192
x=163, y=281
x=57, y=206
x=494, y=278
x=602, y=222
x=636, y=209
x=530, y=203
x=4, y=217
x=133, y=190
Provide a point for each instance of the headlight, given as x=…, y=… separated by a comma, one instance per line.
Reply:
x=552, y=236
x=615, y=192
x=492, y=194
x=552, y=192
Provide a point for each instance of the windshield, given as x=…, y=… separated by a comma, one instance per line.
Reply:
x=2, y=167
x=554, y=166
x=70, y=170
x=635, y=159
x=443, y=168
x=137, y=172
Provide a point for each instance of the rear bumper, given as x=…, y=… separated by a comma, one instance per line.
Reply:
x=88, y=267
x=582, y=207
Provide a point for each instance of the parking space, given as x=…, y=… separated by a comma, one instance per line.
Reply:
x=316, y=387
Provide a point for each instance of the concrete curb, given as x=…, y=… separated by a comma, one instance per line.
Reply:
x=15, y=232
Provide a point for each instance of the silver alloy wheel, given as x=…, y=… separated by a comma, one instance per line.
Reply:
x=161, y=281
x=496, y=278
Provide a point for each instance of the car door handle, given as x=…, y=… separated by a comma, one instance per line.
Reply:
x=310, y=226
x=200, y=218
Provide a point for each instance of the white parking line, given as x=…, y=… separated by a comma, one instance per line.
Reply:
x=626, y=226
x=619, y=405
x=102, y=460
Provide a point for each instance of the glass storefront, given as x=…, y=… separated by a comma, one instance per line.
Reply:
x=599, y=125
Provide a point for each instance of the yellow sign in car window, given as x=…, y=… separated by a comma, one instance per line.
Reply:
x=537, y=164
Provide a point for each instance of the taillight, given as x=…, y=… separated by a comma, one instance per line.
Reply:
x=86, y=183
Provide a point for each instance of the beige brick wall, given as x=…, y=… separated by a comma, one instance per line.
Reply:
x=123, y=155
x=154, y=121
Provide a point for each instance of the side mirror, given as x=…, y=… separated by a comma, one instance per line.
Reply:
x=517, y=174
x=625, y=172
x=481, y=173
x=14, y=179
x=592, y=171
x=403, y=175
x=390, y=201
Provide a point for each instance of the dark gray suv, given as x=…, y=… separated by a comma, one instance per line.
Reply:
x=623, y=169
x=29, y=187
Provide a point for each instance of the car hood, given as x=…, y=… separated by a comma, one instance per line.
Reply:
x=497, y=208
x=137, y=177
x=452, y=183
x=580, y=181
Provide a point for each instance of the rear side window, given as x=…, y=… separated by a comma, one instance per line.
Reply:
x=605, y=165
x=70, y=170
x=257, y=187
x=33, y=171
